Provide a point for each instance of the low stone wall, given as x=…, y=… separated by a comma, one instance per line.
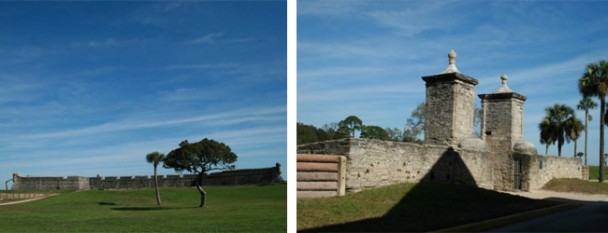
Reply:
x=374, y=163
x=39, y=183
x=545, y=168
x=235, y=177
x=321, y=175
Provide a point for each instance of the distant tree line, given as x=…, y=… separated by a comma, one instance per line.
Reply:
x=353, y=125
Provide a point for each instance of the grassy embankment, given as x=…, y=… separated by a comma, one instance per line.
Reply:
x=577, y=186
x=409, y=207
x=229, y=209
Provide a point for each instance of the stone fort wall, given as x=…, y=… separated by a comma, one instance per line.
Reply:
x=375, y=163
x=235, y=177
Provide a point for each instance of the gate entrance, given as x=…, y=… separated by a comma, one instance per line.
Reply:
x=518, y=173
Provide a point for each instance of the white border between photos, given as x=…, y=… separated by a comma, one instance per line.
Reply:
x=291, y=115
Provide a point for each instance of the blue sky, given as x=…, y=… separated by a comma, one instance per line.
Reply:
x=90, y=88
x=366, y=58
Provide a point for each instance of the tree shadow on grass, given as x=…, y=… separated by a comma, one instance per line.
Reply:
x=447, y=196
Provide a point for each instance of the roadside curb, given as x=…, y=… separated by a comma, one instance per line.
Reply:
x=506, y=220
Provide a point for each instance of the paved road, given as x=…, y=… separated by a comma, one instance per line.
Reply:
x=592, y=216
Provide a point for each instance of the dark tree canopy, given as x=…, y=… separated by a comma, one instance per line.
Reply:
x=200, y=157
x=310, y=133
x=374, y=132
x=307, y=134
x=350, y=125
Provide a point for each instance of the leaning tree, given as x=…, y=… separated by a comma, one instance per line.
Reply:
x=200, y=157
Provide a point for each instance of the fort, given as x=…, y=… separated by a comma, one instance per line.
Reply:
x=499, y=160
x=256, y=176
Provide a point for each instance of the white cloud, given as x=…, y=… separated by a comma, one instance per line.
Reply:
x=208, y=39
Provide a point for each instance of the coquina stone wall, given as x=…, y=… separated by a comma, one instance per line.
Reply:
x=236, y=177
x=374, y=163
x=549, y=167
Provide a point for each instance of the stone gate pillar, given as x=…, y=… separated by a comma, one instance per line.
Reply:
x=502, y=130
x=502, y=114
x=450, y=105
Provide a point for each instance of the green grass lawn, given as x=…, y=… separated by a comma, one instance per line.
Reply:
x=409, y=207
x=229, y=209
x=594, y=172
x=576, y=185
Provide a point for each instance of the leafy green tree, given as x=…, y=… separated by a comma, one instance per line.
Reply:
x=306, y=134
x=586, y=104
x=155, y=158
x=559, y=117
x=350, y=125
x=546, y=134
x=374, y=132
x=594, y=82
x=574, y=128
x=201, y=157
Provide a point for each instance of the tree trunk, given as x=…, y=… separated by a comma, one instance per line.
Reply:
x=586, y=118
x=602, y=111
x=156, y=187
x=547, y=149
x=199, y=186
x=559, y=148
x=575, y=148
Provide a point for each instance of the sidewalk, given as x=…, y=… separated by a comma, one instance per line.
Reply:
x=543, y=194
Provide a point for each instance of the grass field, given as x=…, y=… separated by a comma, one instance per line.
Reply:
x=409, y=207
x=229, y=209
x=594, y=172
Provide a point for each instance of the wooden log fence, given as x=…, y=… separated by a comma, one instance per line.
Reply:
x=321, y=175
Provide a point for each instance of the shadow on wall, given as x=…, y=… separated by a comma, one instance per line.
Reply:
x=437, y=203
x=449, y=169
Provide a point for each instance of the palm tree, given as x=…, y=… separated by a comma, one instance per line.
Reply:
x=594, y=82
x=574, y=127
x=556, y=123
x=155, y=158
x=546, y=134
x=586, y=104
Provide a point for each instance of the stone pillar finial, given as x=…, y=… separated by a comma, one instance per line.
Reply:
x=452, y=66
x=452, y=57
x=503, y=88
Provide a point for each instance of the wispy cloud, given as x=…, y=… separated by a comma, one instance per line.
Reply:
x=202, y=66
x=208, y=39
x=230, y=117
